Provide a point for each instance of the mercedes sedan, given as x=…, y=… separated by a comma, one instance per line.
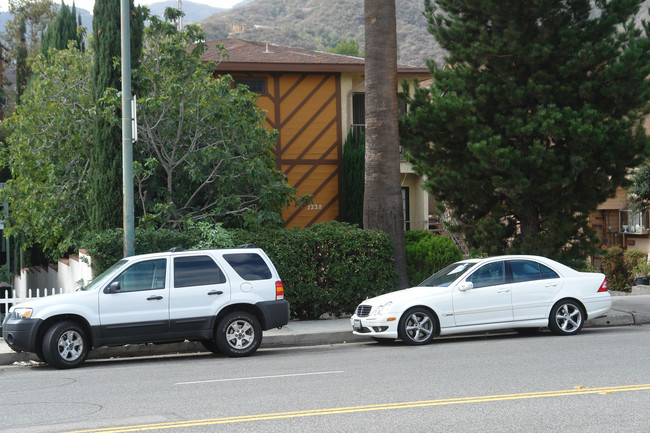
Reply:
x=507, y=292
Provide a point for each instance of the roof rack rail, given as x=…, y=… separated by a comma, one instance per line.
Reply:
x=175, y=249
x=249, y=245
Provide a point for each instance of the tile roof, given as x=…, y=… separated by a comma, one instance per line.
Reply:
x=260, y=56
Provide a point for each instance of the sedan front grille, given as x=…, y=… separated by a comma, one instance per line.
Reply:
x=363, y=310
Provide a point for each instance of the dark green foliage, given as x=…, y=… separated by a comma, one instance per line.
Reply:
x=105, y=170
x=427, y=253
x=62, y=30
x=352, y=179
x=328, y=268
x=347, y=48
x=106, y=247
x=639, y=191
x=618, y=265
x=535, y=122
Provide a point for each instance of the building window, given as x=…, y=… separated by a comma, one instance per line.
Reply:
x=255, y=85
x=634, y=223
x=359, y=113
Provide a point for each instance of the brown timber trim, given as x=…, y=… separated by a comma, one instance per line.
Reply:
x=325, y=79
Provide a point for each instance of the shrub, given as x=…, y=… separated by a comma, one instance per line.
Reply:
x=328, y=268
x=618, y=267
x=427, y=253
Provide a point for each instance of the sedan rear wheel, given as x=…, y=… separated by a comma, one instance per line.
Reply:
x=567, y=318
x=417, y=326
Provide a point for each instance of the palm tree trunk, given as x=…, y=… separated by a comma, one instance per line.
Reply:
x=382, y=204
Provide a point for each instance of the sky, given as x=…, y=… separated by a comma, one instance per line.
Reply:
x=88, y=4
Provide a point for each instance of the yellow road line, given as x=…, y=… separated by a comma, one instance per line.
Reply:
x=368, y=408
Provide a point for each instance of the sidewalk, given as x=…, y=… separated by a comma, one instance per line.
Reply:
x=626, y=310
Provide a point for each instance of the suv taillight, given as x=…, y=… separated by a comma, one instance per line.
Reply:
x=279, y=290
x=603, y=287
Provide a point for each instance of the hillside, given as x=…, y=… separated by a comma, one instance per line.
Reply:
x=319, y=25
x=194, y=12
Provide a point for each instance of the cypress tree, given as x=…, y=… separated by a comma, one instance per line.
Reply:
x=22, y=70
x=352, y=178
x=536, y=119
x=62, y=30
x=105, y=170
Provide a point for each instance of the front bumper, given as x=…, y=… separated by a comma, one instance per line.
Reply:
x=20, y=334
x=376, y=327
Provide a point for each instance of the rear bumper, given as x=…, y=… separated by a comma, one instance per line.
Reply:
x=274, y=313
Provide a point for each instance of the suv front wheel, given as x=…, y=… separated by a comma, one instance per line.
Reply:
x=65, y=345
x=239, y=334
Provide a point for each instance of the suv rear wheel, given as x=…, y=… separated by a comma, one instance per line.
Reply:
x=239, y=334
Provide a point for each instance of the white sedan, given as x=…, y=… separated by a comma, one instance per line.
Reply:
x=487, y=294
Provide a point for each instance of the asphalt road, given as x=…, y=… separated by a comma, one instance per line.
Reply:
x=597, y=381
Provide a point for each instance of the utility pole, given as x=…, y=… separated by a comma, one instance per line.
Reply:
x=127, y=133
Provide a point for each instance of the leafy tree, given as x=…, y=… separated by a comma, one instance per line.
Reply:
x=105, y=196
x=62, y=30
x=47, y=154
x=202, y=151
x=36, y=14
x=535, y=121
x=382, y=204
x=347, y=48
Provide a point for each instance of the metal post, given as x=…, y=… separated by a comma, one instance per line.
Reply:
x=127, y=133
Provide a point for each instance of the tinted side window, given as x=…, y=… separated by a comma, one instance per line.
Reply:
x=147, y=275
x=196, y=271
x=524, y=270
x=548, y=273
x=491, y=274
x=249, y=266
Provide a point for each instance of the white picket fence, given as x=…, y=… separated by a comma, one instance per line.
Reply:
x=11, y=297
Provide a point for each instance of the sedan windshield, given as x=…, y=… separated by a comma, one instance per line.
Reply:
x=448, y=275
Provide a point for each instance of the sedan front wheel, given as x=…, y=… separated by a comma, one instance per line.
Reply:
x=417, y=326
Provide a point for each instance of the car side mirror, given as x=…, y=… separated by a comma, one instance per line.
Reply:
x=114, y=287
x=465, y=285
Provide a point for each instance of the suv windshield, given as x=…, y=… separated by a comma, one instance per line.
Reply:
x=448, y=275
x=97, y=281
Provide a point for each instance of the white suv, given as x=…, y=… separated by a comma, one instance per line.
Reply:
x=223, y=298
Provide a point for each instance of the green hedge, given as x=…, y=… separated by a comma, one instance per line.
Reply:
x=427, y=253
x=326, y=269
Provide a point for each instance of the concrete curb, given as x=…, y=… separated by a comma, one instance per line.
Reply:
x=626, y=311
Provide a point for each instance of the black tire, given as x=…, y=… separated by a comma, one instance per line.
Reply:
x=210, y=346
x=567, y=318
x=65, y=345
x=239, y=334
x=417, y=326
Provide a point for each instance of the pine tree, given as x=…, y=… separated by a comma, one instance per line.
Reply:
x=352, y=178
x=535, y=120
x=105, y=170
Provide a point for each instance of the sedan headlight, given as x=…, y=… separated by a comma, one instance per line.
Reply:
x=380, y=309
x=23, y=313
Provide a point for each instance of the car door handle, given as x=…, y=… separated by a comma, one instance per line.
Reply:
x=551, y=285
x=503, y=290
x=154, y=298
x=215, y=292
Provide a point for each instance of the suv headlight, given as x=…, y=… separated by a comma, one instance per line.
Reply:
x=380, y=309
x=23, y=313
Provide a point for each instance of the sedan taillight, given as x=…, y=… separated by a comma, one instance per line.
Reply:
x=603, y=287
x=279, y=290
